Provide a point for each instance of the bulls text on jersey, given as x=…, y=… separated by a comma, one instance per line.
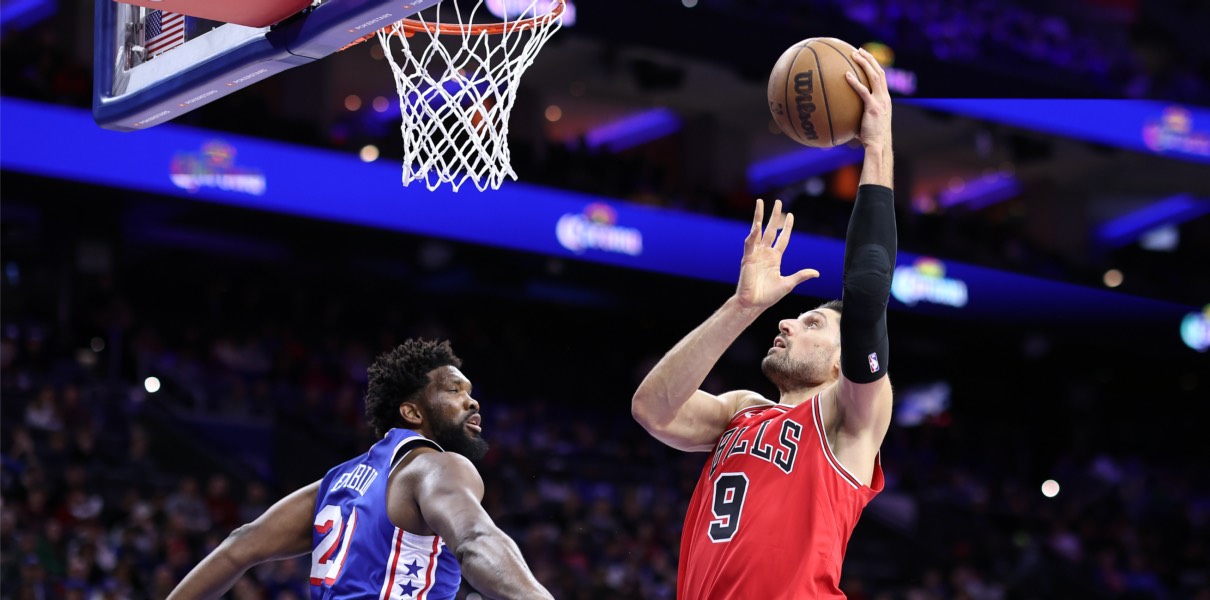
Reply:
x=778, y=446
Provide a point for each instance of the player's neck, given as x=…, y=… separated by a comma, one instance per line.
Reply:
x=798, y=396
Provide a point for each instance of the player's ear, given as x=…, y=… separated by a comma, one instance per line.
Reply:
x=412, y=417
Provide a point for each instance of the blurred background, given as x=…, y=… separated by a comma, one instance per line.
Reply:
x=176, y=357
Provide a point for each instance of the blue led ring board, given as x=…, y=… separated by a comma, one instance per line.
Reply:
x=152, y=65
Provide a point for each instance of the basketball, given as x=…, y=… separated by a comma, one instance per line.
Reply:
x=809, y=97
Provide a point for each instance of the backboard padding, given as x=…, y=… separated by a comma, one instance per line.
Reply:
x=132, y=91
x=254, y=13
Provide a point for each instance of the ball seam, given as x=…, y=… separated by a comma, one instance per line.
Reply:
x=823, y=93
x=800, y=137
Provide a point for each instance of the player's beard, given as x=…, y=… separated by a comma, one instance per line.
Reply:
x=789, y=373
x=454, y=437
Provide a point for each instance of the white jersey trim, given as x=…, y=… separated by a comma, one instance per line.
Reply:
x=817, y=416
x=431, y=575
x=405, y=446
x=392, y=564
x=760, y=407
x=413, y=561
x=415, y=441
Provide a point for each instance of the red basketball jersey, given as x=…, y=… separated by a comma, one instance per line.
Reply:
x=772, y=512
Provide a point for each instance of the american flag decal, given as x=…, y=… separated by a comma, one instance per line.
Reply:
x=163, y=31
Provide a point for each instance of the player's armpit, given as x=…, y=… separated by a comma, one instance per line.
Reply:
x=864, y=410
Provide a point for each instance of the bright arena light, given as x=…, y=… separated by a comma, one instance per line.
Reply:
x=151, y=384
x=1050, y=488
x=519, y=9
x=369, y=153
x=1113, y=278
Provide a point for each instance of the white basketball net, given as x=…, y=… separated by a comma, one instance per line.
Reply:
x=456, y=91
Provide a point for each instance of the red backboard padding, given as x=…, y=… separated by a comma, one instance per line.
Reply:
x=253, y=13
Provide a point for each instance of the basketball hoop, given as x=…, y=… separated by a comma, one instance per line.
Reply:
x=457, y=81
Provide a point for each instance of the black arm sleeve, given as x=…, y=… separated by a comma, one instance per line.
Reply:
x=869, y=260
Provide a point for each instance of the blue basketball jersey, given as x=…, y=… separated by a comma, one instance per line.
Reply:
x=358, y=552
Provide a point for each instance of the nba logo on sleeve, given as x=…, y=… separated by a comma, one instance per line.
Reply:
x=873, y=362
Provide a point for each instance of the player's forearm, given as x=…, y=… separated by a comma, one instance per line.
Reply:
x=683, y=369
x=493, y=564
x=878, y=167
x=870, y=252
x=282, y=532
x=212, y=577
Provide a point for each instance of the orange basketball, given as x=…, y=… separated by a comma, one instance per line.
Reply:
x=809, y=97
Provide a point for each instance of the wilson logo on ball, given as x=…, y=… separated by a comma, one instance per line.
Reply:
x=804, y=86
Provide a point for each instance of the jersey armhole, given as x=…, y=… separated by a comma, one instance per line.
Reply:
x=407, y=446
x=751, y=400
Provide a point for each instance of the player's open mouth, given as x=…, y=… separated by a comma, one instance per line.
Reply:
x=473, y=424
x=778, y=342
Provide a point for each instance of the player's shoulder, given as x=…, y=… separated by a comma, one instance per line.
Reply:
x=427, y=461
x=743, y=399
x=433, y=473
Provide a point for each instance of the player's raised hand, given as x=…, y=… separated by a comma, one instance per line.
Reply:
x=761, y=283
x=876, y=119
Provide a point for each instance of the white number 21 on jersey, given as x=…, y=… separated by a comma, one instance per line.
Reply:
x=329, y=523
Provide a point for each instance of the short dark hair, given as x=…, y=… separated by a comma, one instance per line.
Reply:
x=398, y=375
x=836, y=305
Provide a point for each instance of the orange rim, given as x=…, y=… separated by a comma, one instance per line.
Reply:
x=412, y=26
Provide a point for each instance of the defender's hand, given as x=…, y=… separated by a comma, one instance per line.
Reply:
x=761, y=283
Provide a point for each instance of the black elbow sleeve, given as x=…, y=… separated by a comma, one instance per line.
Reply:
x=869, y=261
